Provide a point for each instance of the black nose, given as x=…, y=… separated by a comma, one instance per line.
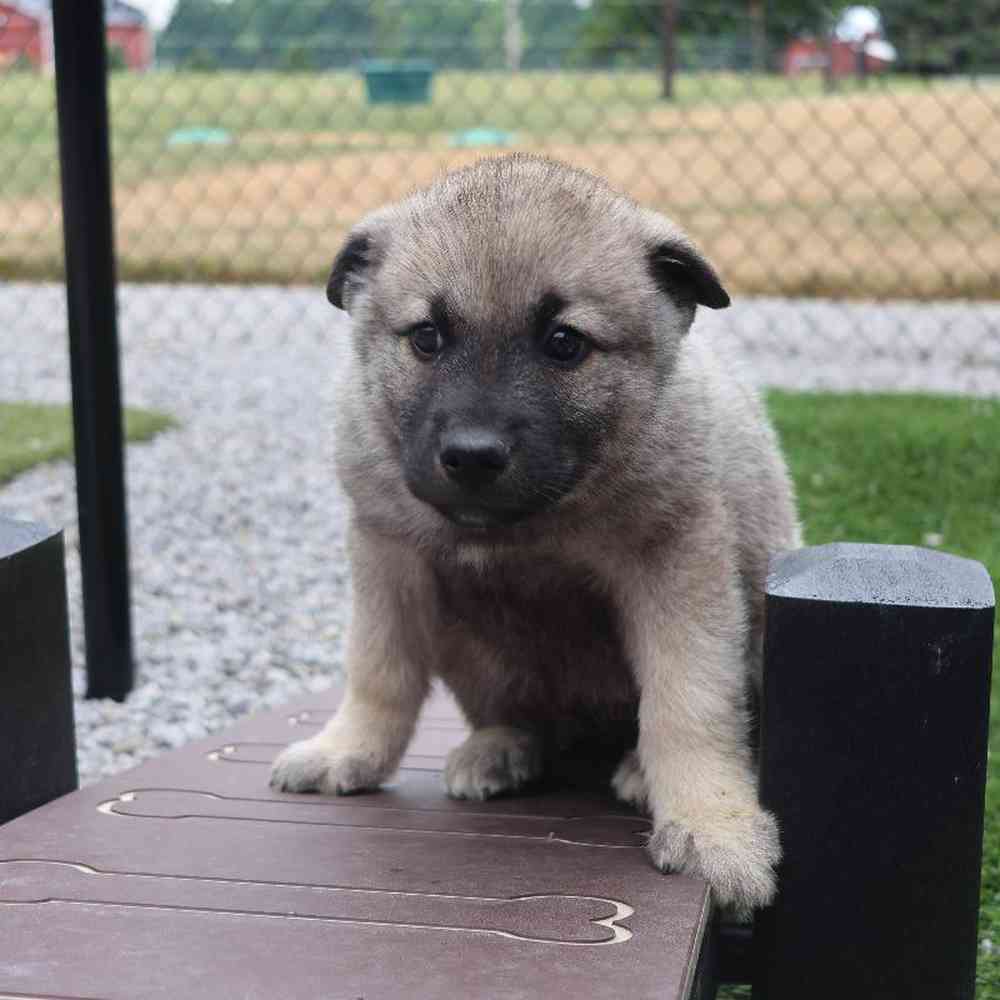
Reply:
x=473, y=457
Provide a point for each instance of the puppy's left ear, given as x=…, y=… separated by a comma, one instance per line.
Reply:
x=683, y=273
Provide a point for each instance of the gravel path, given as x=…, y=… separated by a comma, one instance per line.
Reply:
x=237, y=527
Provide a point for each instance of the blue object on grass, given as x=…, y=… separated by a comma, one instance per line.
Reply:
x=199, y=135
x=398, y=81
x=483, y=136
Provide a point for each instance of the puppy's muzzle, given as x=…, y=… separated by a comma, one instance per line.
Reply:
x=473, y=458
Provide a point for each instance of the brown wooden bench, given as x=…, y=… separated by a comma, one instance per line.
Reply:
x=189, y=878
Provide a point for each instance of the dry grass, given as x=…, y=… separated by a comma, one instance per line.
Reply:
x=888, y=193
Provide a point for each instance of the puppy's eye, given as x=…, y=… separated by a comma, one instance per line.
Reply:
x=566, y=346
x=426, y=341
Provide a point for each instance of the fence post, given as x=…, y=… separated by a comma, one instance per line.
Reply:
x=85, y=168
x=668, y=48
x=874, y=721
x=37, y=744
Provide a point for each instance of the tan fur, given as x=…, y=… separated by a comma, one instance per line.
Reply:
x=636, y=591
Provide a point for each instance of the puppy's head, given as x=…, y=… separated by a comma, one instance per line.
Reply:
x=514, y=325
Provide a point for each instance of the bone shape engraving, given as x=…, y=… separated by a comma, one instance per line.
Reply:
x=317, y=717
x=541, y=919
x=584, y=831
x=263, y=752
x=310, y=717
x=39, y=996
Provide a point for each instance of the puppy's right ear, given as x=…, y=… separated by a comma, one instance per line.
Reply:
x=350, y=269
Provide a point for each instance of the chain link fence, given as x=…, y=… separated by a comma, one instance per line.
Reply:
x=841, y=169
x=844, y=177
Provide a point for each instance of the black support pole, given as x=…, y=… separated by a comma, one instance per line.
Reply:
x=37, y=744
x=81, y=87
x=874, y=724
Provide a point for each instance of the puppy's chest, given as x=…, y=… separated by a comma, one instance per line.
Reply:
x=545, y=634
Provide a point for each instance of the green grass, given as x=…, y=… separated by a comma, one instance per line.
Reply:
x=147, y=108
x=31, y=433
x=895, y=469
x=899, y=469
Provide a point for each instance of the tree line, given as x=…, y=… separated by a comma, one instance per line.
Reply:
x=931, y=35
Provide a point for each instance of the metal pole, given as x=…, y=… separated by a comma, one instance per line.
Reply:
x=513, y=36
x=81, y=90
x=668, y=43
x=829, y=39
x=874, y=725
x=757, y=13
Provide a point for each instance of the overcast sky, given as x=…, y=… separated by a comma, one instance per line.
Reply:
x=158, y=11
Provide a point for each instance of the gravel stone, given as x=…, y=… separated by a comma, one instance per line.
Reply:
x=236, y=531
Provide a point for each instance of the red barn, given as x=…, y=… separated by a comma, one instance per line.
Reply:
x=20, y=36
x=806, y=54
x=857, y=43
x=26, y=33
x=129, y=31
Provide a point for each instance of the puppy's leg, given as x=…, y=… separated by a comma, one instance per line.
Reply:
x=492, y=760
x=386, y=684
x=684, y=627
x=629, y=783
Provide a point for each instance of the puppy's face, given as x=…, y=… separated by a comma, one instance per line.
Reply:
x=514, y=325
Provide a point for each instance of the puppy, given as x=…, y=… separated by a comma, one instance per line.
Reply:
x=562, y=506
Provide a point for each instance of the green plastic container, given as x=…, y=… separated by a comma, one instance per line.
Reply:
x=398, y=81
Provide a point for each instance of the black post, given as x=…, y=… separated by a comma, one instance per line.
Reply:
x=81, y=88
x=827, y=33
x=37, y=744
x=668, y=48
x=874, y=724
x=861, y=61
x=758, y=36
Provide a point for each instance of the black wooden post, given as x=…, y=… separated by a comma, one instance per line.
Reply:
x=874, y=725
x=81, y=88
x=37, y=744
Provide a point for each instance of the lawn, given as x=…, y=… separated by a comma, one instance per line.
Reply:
x=893, y=191
x=31, y=433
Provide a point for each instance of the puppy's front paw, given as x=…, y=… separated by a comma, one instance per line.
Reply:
x=492, y=760
x=734, y=852
x=314, y=766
